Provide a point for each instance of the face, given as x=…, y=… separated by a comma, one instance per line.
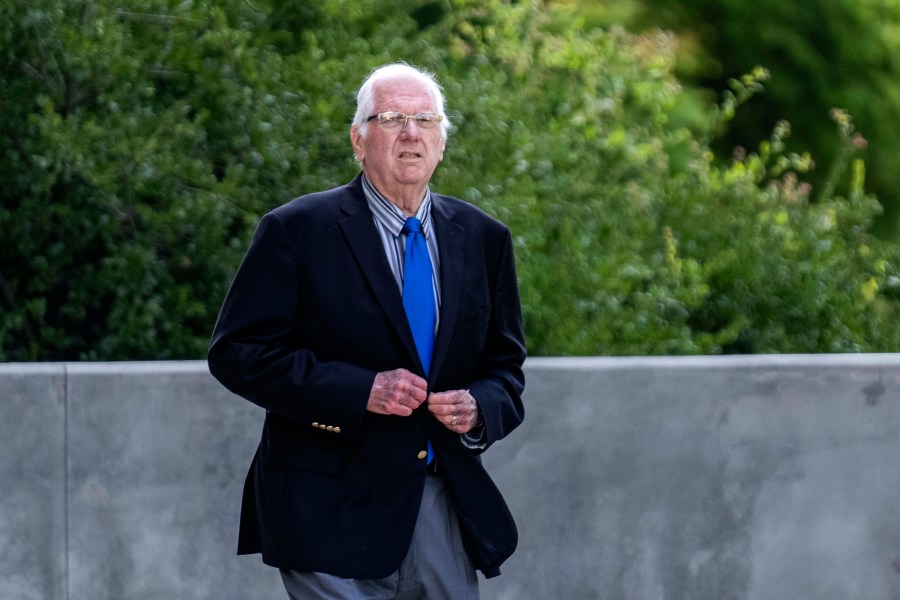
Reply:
x=399, y=163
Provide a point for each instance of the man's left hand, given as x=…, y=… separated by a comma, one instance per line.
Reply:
x=456, y=409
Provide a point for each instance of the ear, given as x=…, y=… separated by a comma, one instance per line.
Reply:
x=357, y=140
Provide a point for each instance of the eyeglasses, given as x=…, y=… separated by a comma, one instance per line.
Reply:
x=396, y=121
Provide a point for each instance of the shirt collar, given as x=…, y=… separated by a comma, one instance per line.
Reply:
x=391, y=217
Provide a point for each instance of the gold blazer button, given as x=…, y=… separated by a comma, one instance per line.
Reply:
x=422, y=454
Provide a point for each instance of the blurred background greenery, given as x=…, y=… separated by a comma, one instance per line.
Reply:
x=681, y=176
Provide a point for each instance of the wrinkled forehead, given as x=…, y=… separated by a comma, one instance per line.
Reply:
x=404, y=92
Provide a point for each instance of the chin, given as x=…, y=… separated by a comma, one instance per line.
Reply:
x=408, y=177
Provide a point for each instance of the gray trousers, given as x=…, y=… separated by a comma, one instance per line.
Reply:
x=435, y=568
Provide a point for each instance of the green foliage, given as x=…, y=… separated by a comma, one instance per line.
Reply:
x=139, y=154
x=822, y=54
x=140, y=147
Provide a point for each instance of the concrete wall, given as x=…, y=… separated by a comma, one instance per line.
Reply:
x=751, y=478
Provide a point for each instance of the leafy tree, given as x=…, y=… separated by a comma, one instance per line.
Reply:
x=822, y=54
x=141, y=147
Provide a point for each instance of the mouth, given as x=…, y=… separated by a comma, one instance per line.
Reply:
x=410, y=155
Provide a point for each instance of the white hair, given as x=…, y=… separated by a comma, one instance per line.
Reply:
x=365, y=98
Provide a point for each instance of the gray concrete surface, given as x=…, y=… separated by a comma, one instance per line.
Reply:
x=32, y=482
x=751, y=478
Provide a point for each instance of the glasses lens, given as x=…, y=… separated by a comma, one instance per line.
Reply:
x=427, y=120
x=392, y=120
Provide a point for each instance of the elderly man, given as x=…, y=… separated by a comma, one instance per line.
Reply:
x=379, y=325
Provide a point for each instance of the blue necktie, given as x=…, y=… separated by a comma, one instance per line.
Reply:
x=418, y=296
x=418, y=291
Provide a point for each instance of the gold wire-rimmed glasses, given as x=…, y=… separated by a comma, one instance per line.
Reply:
x=396, y=121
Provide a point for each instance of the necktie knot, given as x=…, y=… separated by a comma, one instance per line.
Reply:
x=412, y=225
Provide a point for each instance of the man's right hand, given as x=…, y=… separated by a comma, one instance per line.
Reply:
x=398, y=392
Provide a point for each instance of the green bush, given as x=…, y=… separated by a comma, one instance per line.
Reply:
x=822, y=54
x=141, y=148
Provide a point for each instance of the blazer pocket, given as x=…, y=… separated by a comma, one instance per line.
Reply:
x=301, y=458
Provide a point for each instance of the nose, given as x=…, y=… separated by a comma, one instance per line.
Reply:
x=410, y=128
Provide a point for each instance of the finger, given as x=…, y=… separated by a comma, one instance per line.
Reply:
x=451, y=422
x=407, y=388
x=459, y=424
x=417, y=395
x=444, y=398
x=400, y=410
x=413, y=386
x=416, y=381
x=405, y=404
x=456, y=420
x=398, y=402
x=440, y=410
x=437, y=398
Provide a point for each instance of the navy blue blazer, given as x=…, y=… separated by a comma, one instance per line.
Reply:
x=312, y=315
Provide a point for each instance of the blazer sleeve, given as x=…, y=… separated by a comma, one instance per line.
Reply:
x=501, y=380
x=255, y=351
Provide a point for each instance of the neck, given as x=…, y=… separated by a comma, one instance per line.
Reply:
x=409, y=208
x=407, y=198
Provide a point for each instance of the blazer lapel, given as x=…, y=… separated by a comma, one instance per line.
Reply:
x=452, y=250
x=359, y=230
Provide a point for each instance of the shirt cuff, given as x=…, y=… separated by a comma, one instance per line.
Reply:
x=474, y=438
